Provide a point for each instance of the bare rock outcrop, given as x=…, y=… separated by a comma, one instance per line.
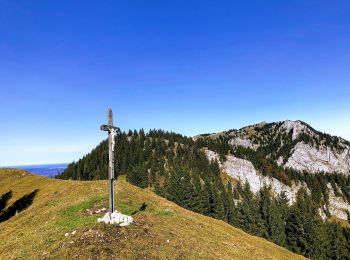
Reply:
x=244, y=171
x=307, y=158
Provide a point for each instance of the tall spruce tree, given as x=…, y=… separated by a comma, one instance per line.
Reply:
x=338, y=248
x=138, y=176
x=295, y=240
x=250, y=217
x=276, y=224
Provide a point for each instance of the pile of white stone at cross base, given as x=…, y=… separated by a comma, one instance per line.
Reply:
x=116, y=218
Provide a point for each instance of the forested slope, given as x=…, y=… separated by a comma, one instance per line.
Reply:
x=177, y=168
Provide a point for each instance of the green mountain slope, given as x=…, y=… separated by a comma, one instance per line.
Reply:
x=162, y=230
x=187, y=171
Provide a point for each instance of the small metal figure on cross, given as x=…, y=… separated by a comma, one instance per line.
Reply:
x=112, y=130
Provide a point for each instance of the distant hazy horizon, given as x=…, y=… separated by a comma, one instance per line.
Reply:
x=48, y=170
x=31, y=165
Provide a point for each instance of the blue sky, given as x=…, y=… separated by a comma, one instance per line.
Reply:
x=187, y=66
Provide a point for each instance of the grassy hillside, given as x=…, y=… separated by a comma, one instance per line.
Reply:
x=162, y=230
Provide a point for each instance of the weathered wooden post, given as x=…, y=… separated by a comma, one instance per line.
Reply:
x=112, y=130
x=113, y=216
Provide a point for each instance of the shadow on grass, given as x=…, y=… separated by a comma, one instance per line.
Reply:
x=4, y=200
x=142, y=208
x=18, y=206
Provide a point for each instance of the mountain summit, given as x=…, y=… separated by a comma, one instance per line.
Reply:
x=293, y=144
x=283, y=181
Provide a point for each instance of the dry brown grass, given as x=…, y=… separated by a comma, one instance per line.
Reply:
x=163, y=231
x=342, y=222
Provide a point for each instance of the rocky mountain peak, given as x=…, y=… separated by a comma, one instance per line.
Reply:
x=296, y=127
x=293, y=144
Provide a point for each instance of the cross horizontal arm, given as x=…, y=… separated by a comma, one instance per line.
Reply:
x=109, y=128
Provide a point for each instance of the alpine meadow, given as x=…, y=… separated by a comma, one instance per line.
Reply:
x=174, y=130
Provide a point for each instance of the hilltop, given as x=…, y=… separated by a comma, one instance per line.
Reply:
x=162, y=230
x=244, y=178
x=293, y=144
x=275, y=153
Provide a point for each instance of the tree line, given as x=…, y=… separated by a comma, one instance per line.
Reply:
x=177, y=168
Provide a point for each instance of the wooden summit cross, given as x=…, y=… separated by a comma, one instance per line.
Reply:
x=112, y=130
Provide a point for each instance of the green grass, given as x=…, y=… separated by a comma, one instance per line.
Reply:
x=74, y=216
x=127, y=209
x=162, y=230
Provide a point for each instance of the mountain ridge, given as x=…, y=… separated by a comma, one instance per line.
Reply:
x=236, y=177
x=293, y=144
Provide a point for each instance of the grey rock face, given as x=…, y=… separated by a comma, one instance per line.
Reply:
x=244, y=171
x=323, y=159
x=296, y=145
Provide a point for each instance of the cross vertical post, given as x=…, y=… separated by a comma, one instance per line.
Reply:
x=112, y=130
x=111, y=161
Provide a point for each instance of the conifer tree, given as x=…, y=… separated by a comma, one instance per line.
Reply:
x=138, y=176
x=276, y=224
x=219, y=211
x=157, y=188
x=250, y=217
x=294, y=231
x=338, y=244
x=264, y=210
x=229, y=214
x=201, y=196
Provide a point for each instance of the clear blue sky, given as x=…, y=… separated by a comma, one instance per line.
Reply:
x=188, y=66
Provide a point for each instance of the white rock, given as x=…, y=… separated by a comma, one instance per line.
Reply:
x=66, y=235
x=305, y=157
x=337, y=206
x=115, y=218
x=120, y=219
x=322, y=213
x=280, y=161
x=244, y=171
x=243, y=142
x=212, y=156
x=296, y=126
x=73, y=233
